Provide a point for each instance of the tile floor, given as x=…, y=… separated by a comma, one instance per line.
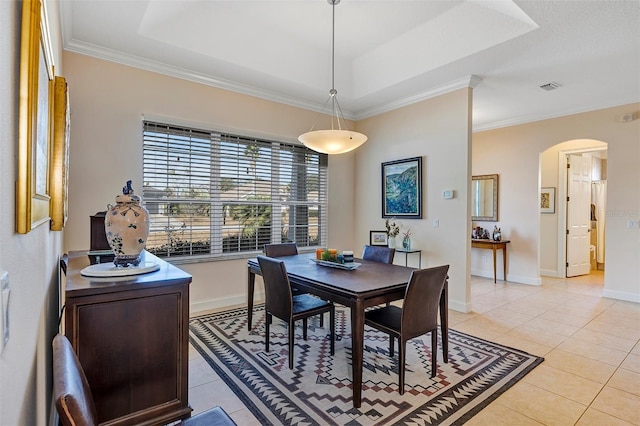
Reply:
x=591, y=372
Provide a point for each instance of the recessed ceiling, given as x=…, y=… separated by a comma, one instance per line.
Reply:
x=387, y=53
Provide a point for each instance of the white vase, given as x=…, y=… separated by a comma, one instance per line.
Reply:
x=391, y=241
x=127, y=227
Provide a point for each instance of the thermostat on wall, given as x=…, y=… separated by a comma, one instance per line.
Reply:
x=447, y=193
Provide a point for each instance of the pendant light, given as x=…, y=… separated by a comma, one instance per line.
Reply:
x=339, y=139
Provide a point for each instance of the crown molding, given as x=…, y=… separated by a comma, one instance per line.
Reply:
x=469, y=81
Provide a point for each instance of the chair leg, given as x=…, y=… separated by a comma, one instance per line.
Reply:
x=332, y=324
x=434, y=352
x=266, y=327
x=322, y=320
x=391, y=346
x=291, y=337
x=402, y=346
x=304, y=329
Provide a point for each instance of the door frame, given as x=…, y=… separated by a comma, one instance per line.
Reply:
x=561, y=207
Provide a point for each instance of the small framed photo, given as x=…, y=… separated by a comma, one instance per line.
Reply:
x=378, y=238
x=548, y=200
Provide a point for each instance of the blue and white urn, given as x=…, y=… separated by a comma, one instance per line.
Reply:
x=127, y=227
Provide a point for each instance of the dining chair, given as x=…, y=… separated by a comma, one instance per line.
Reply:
x=286, y=249
x=74, y=401
x=418, y=315
x=281, y=303
x=378, y=254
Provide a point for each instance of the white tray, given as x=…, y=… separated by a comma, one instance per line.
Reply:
x=347, y=266
x=108, y=269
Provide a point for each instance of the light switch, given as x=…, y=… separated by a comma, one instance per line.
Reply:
x=447, y=194
x=436, y=223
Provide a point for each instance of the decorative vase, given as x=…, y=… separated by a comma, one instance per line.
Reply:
x=406, y=244
x=391, y=241
x=127, y=227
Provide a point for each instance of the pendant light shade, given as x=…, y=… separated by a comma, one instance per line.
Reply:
x=335, y=140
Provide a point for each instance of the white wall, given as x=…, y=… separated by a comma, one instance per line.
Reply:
x=108, y=101
x=30, y=259
x=438, y=130
x=514, y=153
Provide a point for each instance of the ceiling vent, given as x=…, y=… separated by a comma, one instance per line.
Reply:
x=552, y=85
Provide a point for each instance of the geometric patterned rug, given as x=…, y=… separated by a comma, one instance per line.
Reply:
x=318, y=390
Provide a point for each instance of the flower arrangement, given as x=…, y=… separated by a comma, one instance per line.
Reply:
x=406, y=235
x=392, y=229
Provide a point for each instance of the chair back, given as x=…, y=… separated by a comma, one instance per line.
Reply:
x=378, y=254
x=277, y=250
x=421, y=301
x=71, y=392
x=277, y=289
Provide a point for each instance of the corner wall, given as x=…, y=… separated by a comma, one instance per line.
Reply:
x=30, y=259
x=438, y=130
x=514, y=153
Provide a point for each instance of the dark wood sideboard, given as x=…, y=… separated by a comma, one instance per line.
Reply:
x=131, y=336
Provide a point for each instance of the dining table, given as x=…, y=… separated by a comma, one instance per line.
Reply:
x=370, y=284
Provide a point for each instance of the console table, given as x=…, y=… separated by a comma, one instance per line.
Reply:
x=131, y=336
x=494, y=245
x=407, y=253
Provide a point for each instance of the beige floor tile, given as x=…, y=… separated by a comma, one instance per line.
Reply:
x=550, y=326
x=614, y=329
x=593, y=351
x=626, y=380
x=515, y=341
x=605, y=339
x=636, y=349
x=537, y=335
x=541, y=405
x=243, y=417
x=620, y=404
x=564, y=384
x=498, y=415
x=579, y=365
x=200, y=373
x=632, y=362
x=593, y=417
x=214, y=394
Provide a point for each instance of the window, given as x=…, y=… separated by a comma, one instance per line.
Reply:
x=214, y=194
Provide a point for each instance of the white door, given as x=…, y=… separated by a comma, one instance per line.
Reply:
x=578, y=215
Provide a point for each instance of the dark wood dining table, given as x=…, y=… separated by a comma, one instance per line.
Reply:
x=371, y=284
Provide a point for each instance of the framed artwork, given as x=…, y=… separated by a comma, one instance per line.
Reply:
x=548, y=200
x=402, y=188
x=378, y=238
x=35, y=112
x=60, y=155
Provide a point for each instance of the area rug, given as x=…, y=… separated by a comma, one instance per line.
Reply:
x=318, y=390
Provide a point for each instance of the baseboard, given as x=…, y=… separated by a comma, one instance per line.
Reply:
x=549, y=273
x=510, y=277
x=197, y=308
x=459, y=306
x=621, y=295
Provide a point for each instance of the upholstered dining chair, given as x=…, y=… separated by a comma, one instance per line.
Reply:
x=378, y=254
x=281, y=303
x=286, y=249
x=74, y=401
x=418, y=316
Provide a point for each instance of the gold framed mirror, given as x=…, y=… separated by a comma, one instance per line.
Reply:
x=484, y=198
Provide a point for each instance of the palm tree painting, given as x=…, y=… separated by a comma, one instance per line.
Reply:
x=402, y=188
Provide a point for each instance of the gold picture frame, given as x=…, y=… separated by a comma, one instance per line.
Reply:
x=35, y=112
x=60, y=155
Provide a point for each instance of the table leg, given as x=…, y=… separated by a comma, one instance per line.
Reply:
x=357, y=338
x=494, y=263
x=444, y=320
x=251, y=284
x=504, y=261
